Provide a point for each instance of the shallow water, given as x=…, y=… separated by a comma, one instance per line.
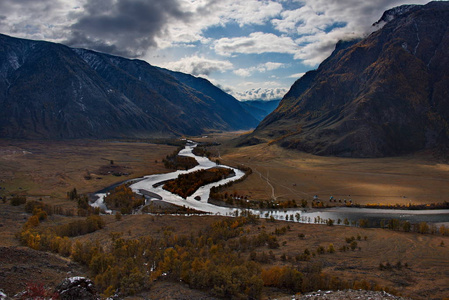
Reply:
x=374, y=216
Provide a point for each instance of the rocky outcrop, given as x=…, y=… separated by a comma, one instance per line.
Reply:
x=77, y=288
x=349, y=295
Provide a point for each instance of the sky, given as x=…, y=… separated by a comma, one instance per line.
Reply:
x=252, y=49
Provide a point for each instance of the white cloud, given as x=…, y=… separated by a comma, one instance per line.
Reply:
x=243, y=72
x=271, y=66
x=255, y=43
x=297, y=75
x=251, y=90
x=307, y=30
x=209, y=13
x=197, y=65
x=261, y=68
x=40, y=20
x=320, y=24
x=261, y=94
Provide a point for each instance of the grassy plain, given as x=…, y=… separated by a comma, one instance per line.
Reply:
x=425, y=277
x=290, y=175
x=50, y=169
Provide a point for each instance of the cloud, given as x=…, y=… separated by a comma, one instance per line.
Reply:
x=306, y=30
x=261, y=68
x=243, y=72
x=261, y=94
x=42, y=20
x=242, y=12
x=309, y=28
x=196, y=65
x=248, y=90
x=212, y=13
x=124, y=27
x=255, y=43
x=297, y=75
x=320, y=24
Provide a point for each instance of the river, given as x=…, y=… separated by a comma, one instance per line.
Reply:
x=148, y=185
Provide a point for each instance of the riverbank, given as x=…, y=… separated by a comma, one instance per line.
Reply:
x=151, y=187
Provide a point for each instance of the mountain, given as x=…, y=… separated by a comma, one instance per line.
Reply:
x=49, y=90
x=259, y=109
x=384, y=95
x=229, y=108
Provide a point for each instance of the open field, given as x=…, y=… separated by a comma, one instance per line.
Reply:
x=426, y=277
x=290, y=175
x=424, y=272
x=52, y=168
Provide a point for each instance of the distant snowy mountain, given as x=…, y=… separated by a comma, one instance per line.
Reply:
x=231, y=110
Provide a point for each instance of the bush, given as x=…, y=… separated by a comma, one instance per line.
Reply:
x=18, y=200
x=353, y=245
x=38, y=291
x=30, y=206
x=41, y=214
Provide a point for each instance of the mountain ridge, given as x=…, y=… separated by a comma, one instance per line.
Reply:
x=49, y=90
x=380, y=96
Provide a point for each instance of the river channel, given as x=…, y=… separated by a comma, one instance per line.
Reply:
x=149, y=187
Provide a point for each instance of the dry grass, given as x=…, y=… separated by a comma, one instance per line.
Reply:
x=51, y=168
x=427, y=275
x=415, y=179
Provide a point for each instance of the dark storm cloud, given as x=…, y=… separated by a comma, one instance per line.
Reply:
x=204, y=68
x=123, y=27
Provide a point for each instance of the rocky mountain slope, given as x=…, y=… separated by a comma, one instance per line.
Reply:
x=48, y=90
x=384, y=95
x=229, y=108
x=259, y=109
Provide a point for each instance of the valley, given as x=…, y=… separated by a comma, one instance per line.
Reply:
x=285, y=174
x=48, y=170
x=158, y=184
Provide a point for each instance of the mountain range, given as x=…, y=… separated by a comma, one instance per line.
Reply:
x=48, y=90
x=259, y=109
x=384, y=95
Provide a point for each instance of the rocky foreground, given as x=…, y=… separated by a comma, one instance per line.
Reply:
x=349, y=295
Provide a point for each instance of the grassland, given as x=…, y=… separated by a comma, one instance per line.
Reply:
x=50, y=169
x=425, y=261
x=290, y=175
x=426, y=277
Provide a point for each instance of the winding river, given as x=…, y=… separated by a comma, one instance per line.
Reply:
x=149, y=187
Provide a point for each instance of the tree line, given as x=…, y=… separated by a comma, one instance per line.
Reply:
x=123, y=199
x=220, y=259
x=186, y=184
x=176, y=162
